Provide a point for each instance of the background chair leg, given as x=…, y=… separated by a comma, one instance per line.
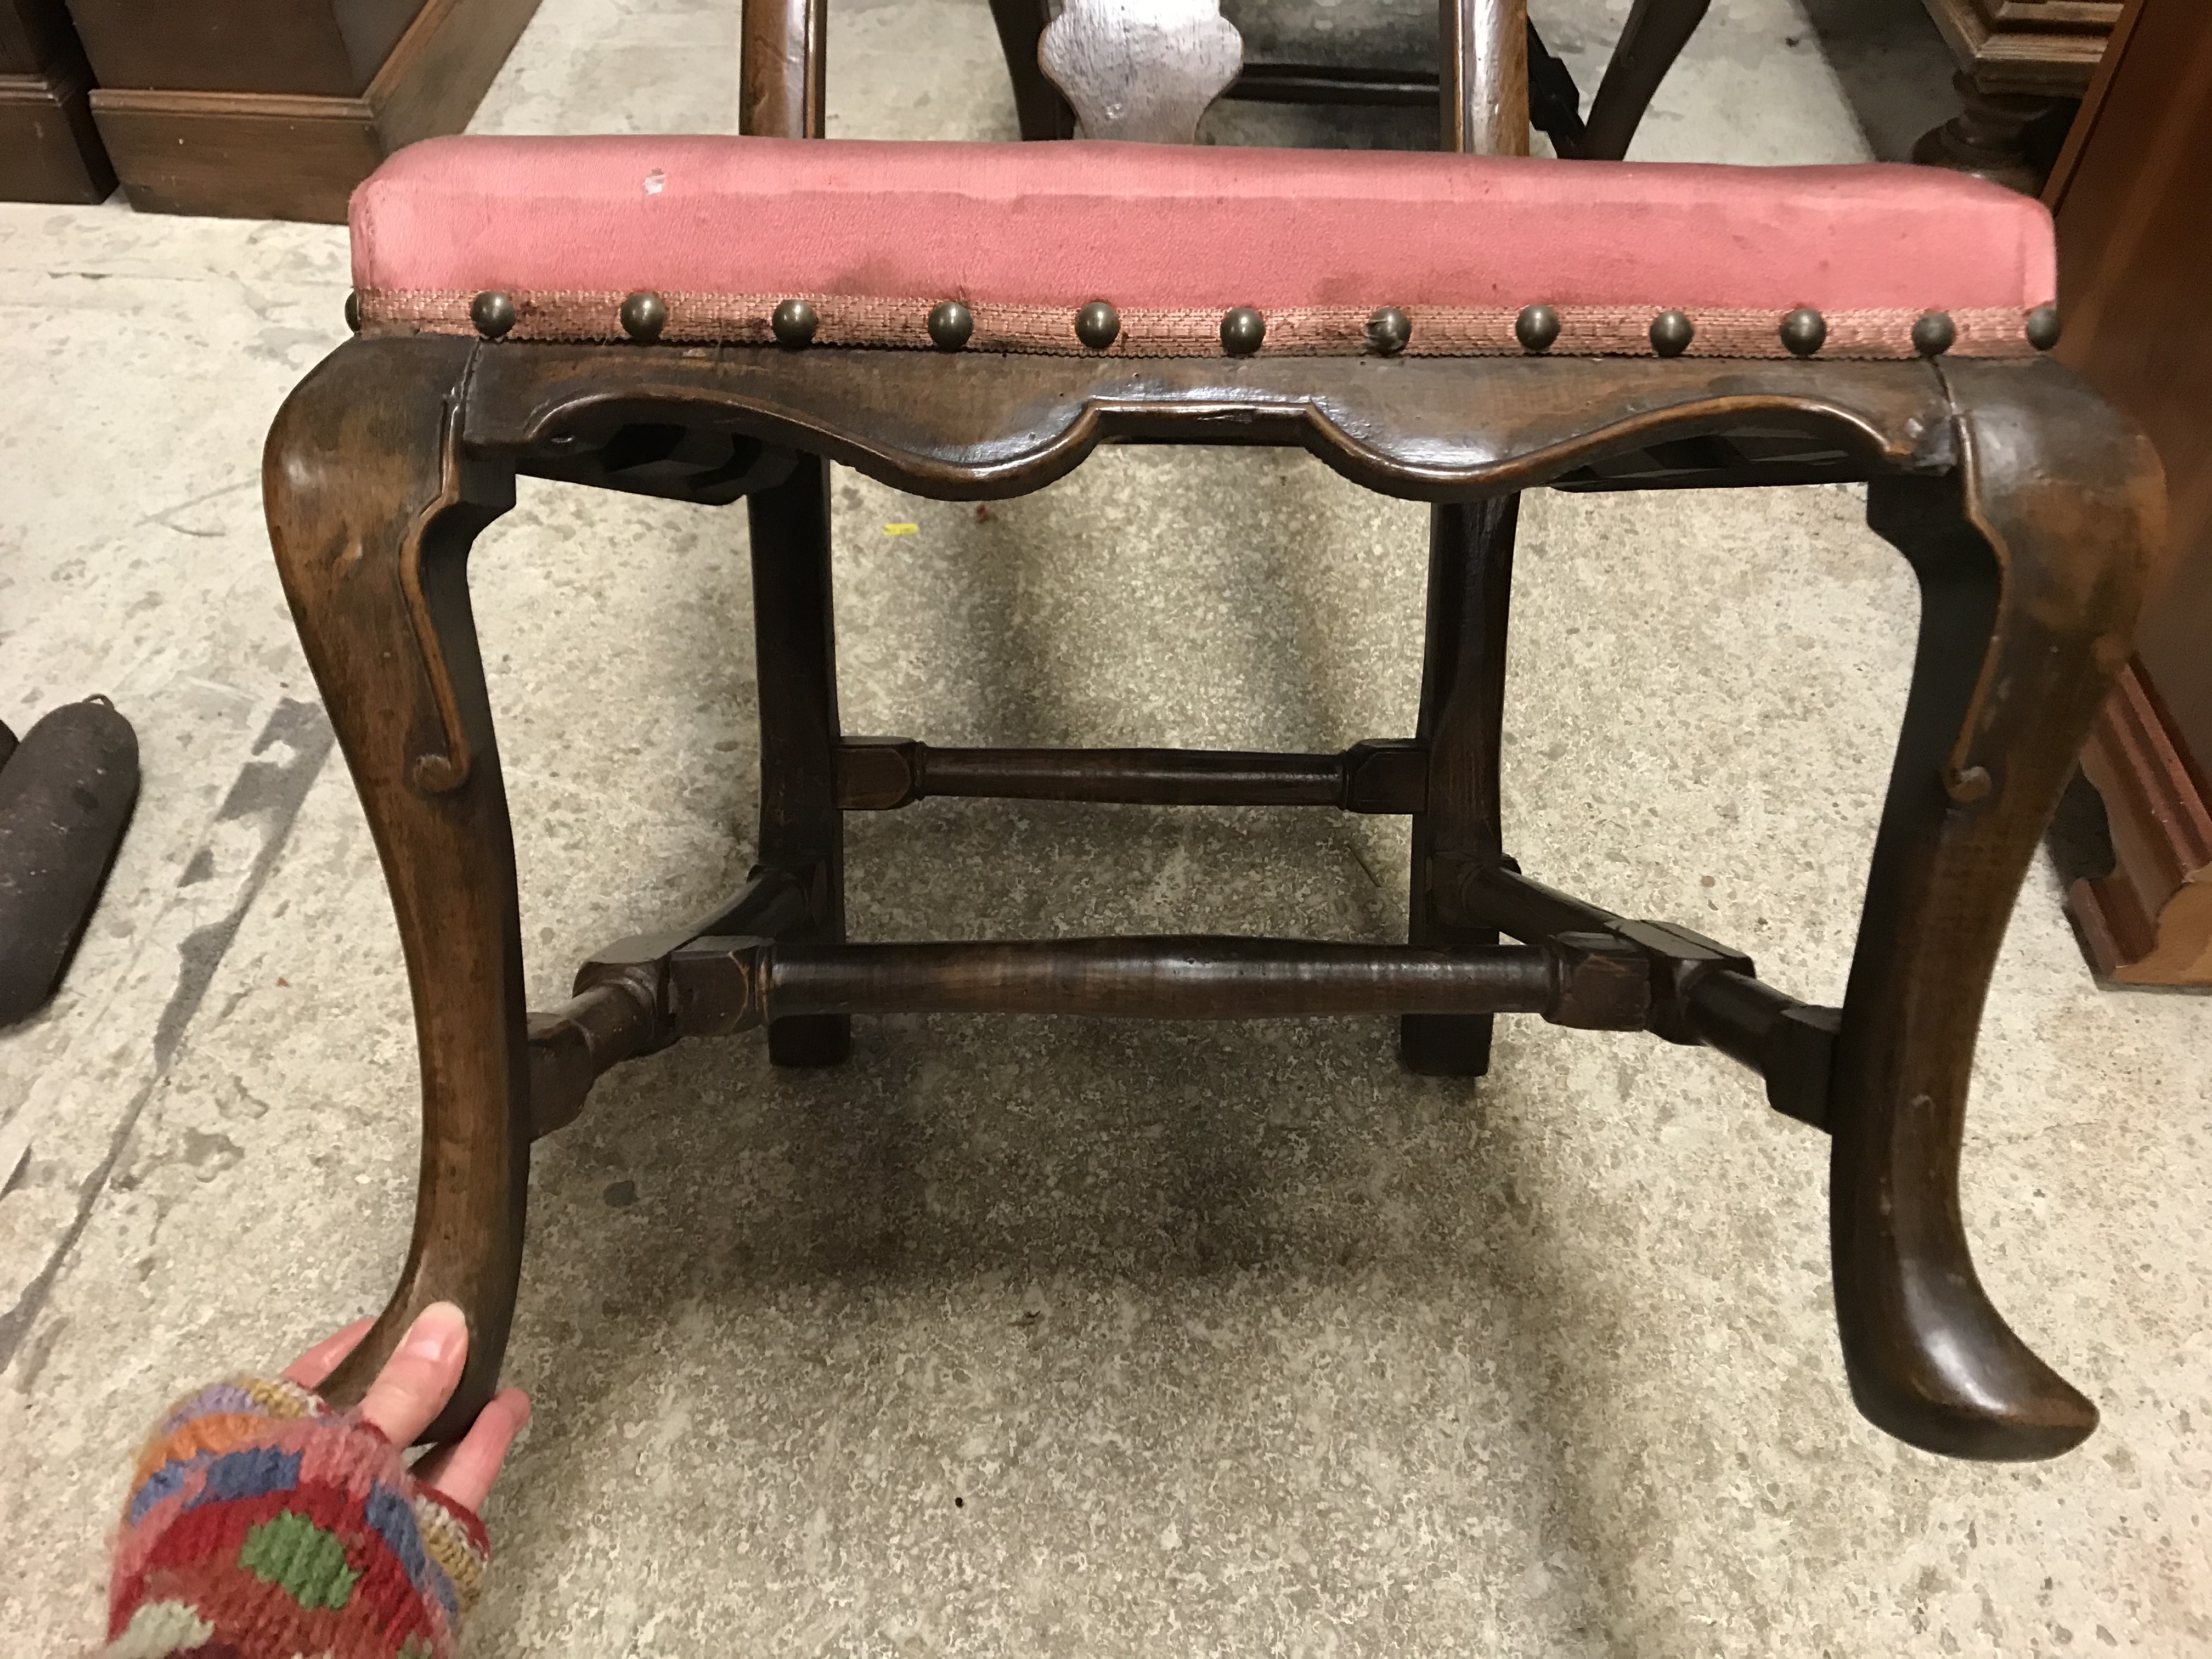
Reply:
x=371, y=510
x=1042, y=112
x=1462, y=710
x=802, y=832
x=1653, y=38
x=2031, y=561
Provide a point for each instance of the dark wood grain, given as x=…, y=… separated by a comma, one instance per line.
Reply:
x=1192, y=978
x=49, y=147
x=2030, y=511
x=438, y=70
x=250, y=156
x=802, y=832
x=2047, y=48
x=1702, y=992
x=34, y=33
x=878, y=774
x=2032, y=556
x=976, y=426
x=782, y=50
x=2148, y=922
x=640, y=995
x=364, y=480
x=1460, y=727
x=623, y=1004
x=323, y=48
x=293, y=155
x=1482, y=98
x=2134, y=252
x=1470, y=575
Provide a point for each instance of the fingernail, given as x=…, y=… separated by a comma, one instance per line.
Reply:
x=437, y=1332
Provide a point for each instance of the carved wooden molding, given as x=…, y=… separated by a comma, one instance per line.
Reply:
x=433, y=772
x=1435, y=429
x=2149, y=922
x=1140, y=70
x=2046, y=47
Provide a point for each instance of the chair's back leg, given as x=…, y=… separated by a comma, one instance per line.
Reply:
x=2031, y=559
x=371, y=508
x=1462, y=710
x=1484, y=106
x=802, y=832
x=782, y=55
x=1656, y=31
x=1042, y=112
x=1482, y=91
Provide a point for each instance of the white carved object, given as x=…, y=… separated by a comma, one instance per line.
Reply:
x=1140, y=70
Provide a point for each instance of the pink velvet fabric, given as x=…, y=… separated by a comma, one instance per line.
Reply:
x=1171, y=225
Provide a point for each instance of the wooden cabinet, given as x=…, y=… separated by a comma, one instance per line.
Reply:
x=50, y=151
x=2135, y=266
x=2021, y=63
x=2047, y=46
x=276, y=109
x=325, y=48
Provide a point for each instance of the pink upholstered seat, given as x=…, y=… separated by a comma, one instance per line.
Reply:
x=724, y=227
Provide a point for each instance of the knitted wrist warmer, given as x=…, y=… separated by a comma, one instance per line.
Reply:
x=262, y=1524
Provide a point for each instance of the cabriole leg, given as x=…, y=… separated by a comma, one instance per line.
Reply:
x=2031, y=560
x=371, y=510
x=1462, y=710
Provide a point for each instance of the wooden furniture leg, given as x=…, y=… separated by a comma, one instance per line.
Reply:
x=782, y=49
x=1483, y=111
x=1482, y=83
x=1653, y=38
x=802, y=831
x=1462, y=711
x=2031, y=558
x=1995, y=136
x=2149, y=922
x=1042, y=112
x=371, y=510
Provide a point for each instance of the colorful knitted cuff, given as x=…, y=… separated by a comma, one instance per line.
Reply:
x=262, y=1524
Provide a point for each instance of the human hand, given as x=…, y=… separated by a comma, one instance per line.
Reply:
x=411, y=1389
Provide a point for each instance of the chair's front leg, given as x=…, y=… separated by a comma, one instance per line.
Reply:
x=2030, y=557
x=371, y=508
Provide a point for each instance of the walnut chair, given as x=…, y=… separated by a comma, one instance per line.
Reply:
x=708, y=318
x=1466, y=32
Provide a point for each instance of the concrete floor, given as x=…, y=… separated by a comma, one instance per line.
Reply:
x=1022, y=1338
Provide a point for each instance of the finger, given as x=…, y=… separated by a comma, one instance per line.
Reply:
x=420, y=1377
x=465, y=1470
x=309, y=1369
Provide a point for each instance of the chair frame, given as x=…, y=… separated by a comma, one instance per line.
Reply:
x=1476, y=53
x=2028, y=510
